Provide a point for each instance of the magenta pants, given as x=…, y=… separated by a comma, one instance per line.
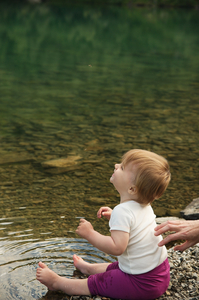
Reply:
x=119, y=285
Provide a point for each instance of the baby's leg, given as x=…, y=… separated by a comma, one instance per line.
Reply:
x=87, y=268
x=55, y=282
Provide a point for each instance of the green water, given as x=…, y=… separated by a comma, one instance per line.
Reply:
x=89, y=82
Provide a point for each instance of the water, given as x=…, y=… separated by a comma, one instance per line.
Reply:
x=87, y=83
x=19, y=261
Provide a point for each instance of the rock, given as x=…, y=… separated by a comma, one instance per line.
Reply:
x=55, y=171
x=96, y=201
x=93, y=161
x=61, y=162
x=191, y=212
x=93, y=146
x=160, y=211
x=62, y=165
x=6, y=183
x=15, y=157
x=164, y=219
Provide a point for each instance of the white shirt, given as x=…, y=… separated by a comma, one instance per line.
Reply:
x=142, y=253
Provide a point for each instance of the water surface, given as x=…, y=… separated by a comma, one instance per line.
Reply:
x=87, y=83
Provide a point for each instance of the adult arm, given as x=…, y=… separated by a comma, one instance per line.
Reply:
x=183, y=230
x=114, y=244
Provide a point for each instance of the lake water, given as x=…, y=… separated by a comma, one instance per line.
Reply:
x=88, y=83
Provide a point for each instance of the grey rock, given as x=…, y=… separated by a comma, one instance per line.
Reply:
x=164, y=219
x=191, y=212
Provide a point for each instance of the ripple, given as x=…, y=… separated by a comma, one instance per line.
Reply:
x=19, y=260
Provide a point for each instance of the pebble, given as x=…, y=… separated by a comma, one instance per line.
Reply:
x=184, y=275
x=184, y=283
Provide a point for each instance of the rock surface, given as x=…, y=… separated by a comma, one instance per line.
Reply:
x=191, y=212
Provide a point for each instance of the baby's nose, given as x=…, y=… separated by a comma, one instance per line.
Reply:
x=116, y=166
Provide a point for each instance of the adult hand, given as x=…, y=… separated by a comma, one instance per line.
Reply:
x=84, y=228
x=105, y=212
x=183, y=230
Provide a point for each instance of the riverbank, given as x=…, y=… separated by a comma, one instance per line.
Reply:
x=184, y=274
x=184, y=278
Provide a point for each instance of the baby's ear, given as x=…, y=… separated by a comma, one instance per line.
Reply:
x=132, y=190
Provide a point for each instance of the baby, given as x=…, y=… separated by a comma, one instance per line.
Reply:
x=142, y=270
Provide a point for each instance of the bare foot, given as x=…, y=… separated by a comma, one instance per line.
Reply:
x=81, y=264
x=47, y=277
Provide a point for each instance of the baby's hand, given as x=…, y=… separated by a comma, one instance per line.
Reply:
x=84, y=228
x=105, y=212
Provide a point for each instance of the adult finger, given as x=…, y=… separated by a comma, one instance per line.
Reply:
x=169, y=223
x=163, y=229
x=160, y=226
x=169, y=227
x=169, y=238
x=183, y=246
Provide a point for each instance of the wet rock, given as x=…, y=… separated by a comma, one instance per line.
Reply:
x=93, y=146
x=15, y=158
x=62, y=165
x=61, y=162
x=160, y=211
x=191, y=212
x=96, y=201
x=93, y=161
x=6, y=183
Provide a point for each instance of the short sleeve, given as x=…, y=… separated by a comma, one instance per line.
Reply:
x=121, y=219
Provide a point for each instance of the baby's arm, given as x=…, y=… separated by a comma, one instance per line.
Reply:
x=105, y=212
x=114, y=244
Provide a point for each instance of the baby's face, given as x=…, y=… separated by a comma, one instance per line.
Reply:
x=123, y=177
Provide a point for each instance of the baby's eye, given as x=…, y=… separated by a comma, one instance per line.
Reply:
x=122, y=167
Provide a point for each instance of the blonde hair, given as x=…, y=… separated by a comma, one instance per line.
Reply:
x=152, y=174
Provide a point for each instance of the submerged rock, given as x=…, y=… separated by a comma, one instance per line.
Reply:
x=62, y=165
x=15, y=157
x=61, y=162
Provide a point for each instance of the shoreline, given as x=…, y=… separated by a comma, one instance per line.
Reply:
x=184, y=283
x=184, y=274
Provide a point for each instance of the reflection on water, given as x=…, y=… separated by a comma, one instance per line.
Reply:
x=87, y=84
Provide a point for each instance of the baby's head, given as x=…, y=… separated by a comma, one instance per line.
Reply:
x=152, y=174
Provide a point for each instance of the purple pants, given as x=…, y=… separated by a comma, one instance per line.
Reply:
x=119, y=285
